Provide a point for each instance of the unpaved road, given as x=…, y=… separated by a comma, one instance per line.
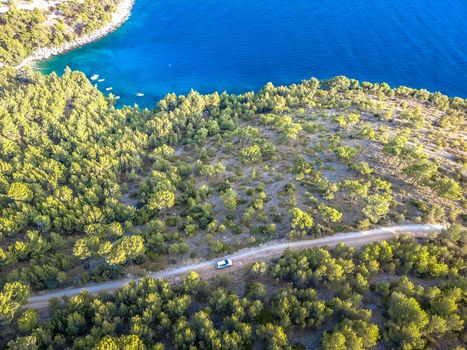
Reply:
x=244, y=257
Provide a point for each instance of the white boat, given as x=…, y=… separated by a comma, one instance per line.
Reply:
x=117, y=97
x=101, y=80
x=139, y=94
x=95, y=76
x=108, y=89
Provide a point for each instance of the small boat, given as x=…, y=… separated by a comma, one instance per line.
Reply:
x=108, y=89
x=95, y=76
x=139, y=94
x=101, y=80
x=117, y=97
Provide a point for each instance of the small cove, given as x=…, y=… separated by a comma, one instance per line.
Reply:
x=238, y=46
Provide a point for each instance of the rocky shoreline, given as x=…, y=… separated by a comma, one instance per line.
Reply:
x=119, y=17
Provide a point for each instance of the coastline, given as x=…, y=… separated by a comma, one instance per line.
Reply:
x=119, y=17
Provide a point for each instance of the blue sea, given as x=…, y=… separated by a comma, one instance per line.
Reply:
x=240, y=45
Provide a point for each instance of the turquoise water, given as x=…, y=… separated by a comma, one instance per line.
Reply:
x=237, y=46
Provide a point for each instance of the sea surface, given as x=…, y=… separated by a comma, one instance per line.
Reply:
x=240, y=45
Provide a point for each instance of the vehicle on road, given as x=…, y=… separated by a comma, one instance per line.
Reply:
x=260, y=253
x=223, y=264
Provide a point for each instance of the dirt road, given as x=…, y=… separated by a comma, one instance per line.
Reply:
x=247, y=256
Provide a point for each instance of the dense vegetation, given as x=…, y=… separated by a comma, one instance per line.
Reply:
x=23, y=31
x=90, y=192
x=395, y=294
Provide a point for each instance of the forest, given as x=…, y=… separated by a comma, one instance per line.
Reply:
x=396, y=294
x=24, y=31
x=91, y=192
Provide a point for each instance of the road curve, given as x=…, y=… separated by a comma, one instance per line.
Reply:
x=244, y=257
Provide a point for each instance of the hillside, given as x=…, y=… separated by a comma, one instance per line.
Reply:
x=90, y=192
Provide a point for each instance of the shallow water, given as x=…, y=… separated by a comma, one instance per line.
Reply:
x=237, y=46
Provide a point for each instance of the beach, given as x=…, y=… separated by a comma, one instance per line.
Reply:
x=119, y=17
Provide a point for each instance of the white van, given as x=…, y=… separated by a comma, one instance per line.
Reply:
x=223, y=264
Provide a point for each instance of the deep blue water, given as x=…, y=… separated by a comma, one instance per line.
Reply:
x=240, y=45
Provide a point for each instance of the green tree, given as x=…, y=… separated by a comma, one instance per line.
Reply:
x=351, y=334
x=86, y=247
x=191, y=282
x=289, y=129
x=107, y=343
x=301, y=219
x=395, y=146
x=161, y=199
x=23, y=343
x=273, y=336
x=407, y=321
x=247, y=134
x=259, y=267
x=377, y=206
x=12, y=296
x=27, y=321
x=330, y=214
x=363, y=168
x=448, y=188
x=301, y=222
x=334, y=341
x=131, y=342
x=346, y=153
x=250, y=154
x=75, y=323
x=421, y=171
x=229, y=200
x=355, y=189
x=19, y=192
x=128, y=248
